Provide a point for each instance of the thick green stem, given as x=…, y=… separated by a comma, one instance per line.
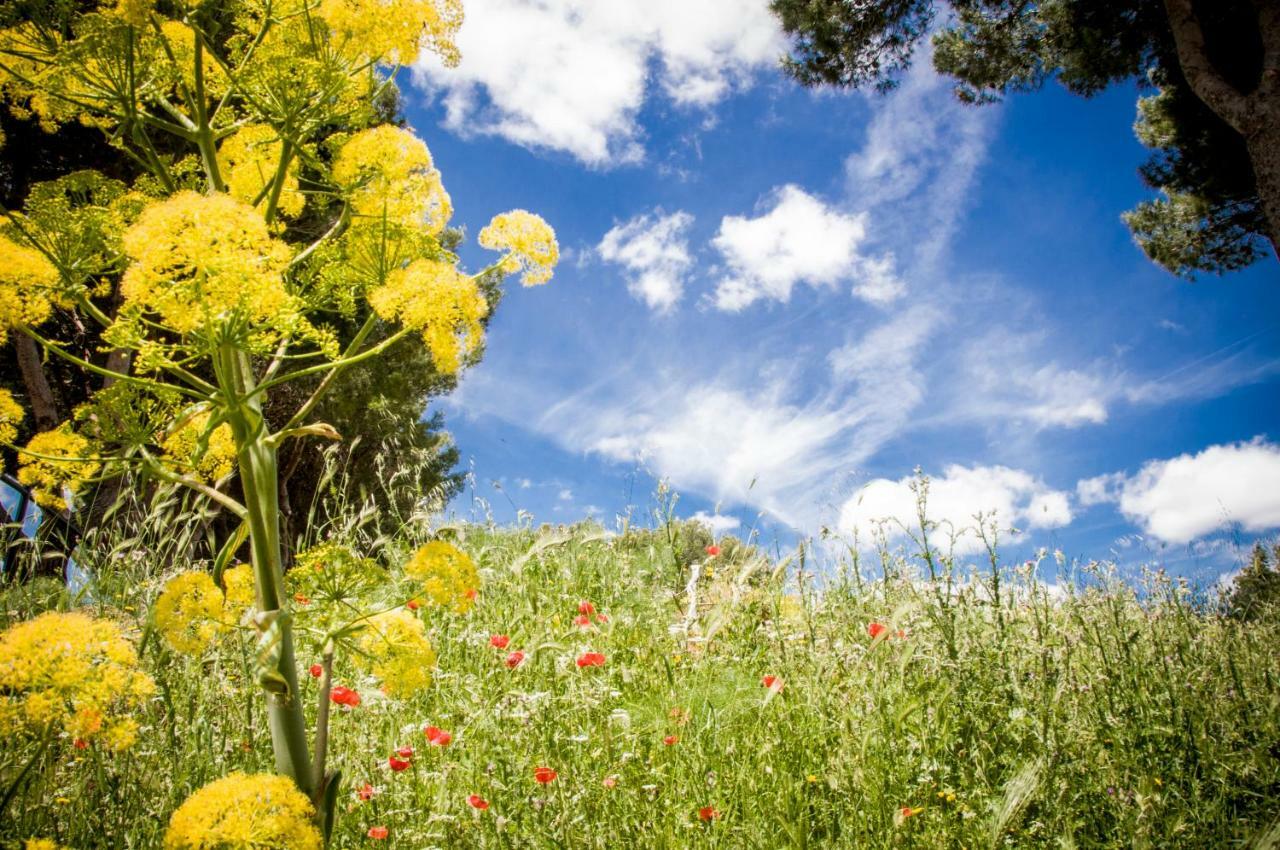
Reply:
x=258, y=477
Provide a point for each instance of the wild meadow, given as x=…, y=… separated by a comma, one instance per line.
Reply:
x=654, y=687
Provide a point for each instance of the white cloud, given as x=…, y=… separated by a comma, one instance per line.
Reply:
x=1017, y=498
x=565, y=495
x=654, y=249
x=571, y=75
x=799, y=240
x=524, y=483
x=1186, y=497
x=718, y=523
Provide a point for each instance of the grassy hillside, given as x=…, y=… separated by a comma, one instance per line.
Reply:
x=979, y=716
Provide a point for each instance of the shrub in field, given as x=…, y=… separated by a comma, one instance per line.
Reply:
x=280, y=225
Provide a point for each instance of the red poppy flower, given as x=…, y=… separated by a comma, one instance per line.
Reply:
x=499, y=641
x=300, y=599
x=315, y=670
x=412, y=605
x=544, y=775
x=876, y=629
x=398, y=764
x=773, y=683
x=344, y=696
x=405, y=752
x=671, y=740
x=365, y=792
x=80, y=744
x=601, y=618
x=713, y=550
x=585, y=607
x=438, y=736
x=582, y=621
x=707, y=813
x=515, y=659
x=591, y=659
x=378, y=833
x=475, y=801
x=902, y=634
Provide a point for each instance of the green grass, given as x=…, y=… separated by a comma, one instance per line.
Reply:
x=1102, y=717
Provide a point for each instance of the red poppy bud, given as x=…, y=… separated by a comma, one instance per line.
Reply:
x=671, y=740
x=499, y=641
x=876, y=629
x=378, y=833
x=515, y=659
x=475, y=801
x=544, y=775
x=398, y=764
x=316, y=671
x=585, y=607
x=713, y=550
x=412, y=605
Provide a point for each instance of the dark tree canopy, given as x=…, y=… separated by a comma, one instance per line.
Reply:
x=1210, y=73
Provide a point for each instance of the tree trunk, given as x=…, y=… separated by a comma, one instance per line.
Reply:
x=44, y=410
x=1255, y=115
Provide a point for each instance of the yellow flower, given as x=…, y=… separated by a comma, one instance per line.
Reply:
x=398, y=652
x=180, y=42
x=240, y=590
x=42, y=844
x=396, y=30
x=250, y=159
x=11, y=415
x=201, y=261
x=448, y=575
x=529, y=241
x=72, y=672
x=445, y=305
x=55, y=463
x=192, y=448
x=388, y=175
x=189, y=612
x=244, y=812
x=27, y=281
x=133, y=12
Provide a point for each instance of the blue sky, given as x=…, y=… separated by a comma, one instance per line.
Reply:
x=782, y=301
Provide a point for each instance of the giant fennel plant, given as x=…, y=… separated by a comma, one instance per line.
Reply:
x=274, y=206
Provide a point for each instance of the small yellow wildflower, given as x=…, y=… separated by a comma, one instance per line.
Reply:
x=11, y=415
x=72, y=672
x=56, y=462
x=448, y=575
x=396, y=30
x=244, y=812
x=441, y=302
x=189, y=612
x=27, y=280
x=200, y=261
x=811, y=778
x=133, y=12
x=180, y=42
x=398, y=652
x=250, y=159
x=213, y=460
x=388, y=176
x=530, y=241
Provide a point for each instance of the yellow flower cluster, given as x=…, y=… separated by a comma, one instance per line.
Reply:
x=11, y=415
x=332, y=572
x=448, y=575
x=73, y=672
x=396, y=648
x=446, y=306
x=245, y=812
x=189, y=612
x=240, y=590
x=396, y=30
x=250, y=160
x=176, y=60
x=388, y=175
x=210, y=460
x=133, y=12
x=529, y=241
x=200, y=261
x=42, y=844
x=27, y=281
x=55, y=463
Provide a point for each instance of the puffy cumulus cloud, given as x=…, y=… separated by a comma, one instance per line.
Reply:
x=799, y=239
x=1015, y=497
x=571, y=75
x=1186, y=497
x=655, y=250
x=718, y=523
